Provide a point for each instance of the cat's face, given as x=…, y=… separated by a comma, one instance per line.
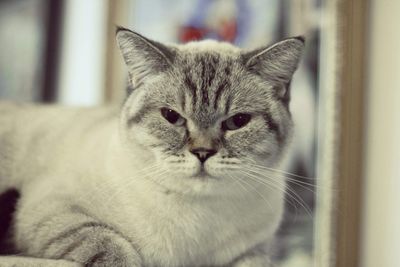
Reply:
x=207, y=111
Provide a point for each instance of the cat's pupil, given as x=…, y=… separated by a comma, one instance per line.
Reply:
x=241, y=120
x=170, y=115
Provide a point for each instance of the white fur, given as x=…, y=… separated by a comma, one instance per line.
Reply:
x=87, y=162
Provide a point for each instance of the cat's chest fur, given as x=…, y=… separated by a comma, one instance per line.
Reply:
x=210, y=231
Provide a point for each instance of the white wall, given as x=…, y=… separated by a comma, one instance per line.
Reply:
x=381, y=229
x=83, y=53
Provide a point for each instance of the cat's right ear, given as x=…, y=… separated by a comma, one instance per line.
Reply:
x=142, y=56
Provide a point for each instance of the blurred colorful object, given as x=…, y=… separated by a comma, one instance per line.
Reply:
x=217, y=19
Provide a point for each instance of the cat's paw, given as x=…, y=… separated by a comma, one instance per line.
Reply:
x=108, y=259
x=103, y=249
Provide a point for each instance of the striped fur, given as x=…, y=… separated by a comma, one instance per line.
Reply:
x=109, y=187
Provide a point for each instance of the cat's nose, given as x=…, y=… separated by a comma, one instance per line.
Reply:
x=203, y=153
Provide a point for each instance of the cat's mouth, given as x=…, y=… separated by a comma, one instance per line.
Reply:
x=202, y=174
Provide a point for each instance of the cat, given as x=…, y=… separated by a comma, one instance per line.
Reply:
x=180, y=175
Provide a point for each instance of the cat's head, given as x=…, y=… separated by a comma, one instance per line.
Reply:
x=207, y=111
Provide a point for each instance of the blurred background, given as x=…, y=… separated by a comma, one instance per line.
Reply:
x=64, y=51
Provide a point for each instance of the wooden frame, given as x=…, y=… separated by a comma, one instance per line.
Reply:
x=52, y=49
x=352, y=60
x=341, y=149
x=118, y=14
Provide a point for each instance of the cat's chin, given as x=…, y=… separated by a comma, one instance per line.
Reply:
x=200, y=183
x=203, y=175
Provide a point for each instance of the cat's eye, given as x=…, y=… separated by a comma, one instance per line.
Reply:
x=172, y=116
x=236, y=121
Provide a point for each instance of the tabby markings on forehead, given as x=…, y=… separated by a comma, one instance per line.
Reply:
x=183, y=101
x=224, y=83
x=203, y=77
x=228, y=104
x=207, y=76
x=192, y=87
x=200, y=83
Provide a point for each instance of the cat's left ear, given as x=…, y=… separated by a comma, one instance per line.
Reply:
x=277, y=62
x=143, y=57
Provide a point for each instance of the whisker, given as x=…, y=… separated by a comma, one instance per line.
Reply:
x=298, y=182
x=289, y=191
x=255, y=190
x=301, y=184
x=253, y=164
x=267, y=183
x=239, y=182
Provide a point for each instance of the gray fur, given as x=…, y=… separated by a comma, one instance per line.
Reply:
x=207, y=85
x=100, y=189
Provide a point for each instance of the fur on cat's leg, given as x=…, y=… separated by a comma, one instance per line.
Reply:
x=256, y=257
x=59, y=230
x=254, y=261
x=12, y=261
